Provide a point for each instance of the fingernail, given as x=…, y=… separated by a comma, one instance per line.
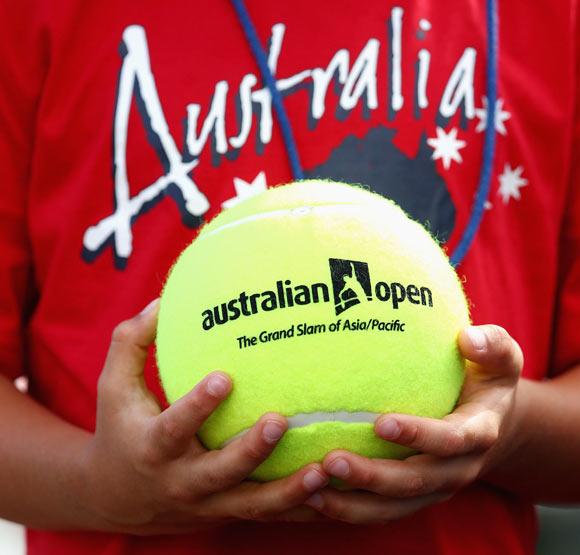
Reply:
x=316, y=501
x=153, y=304
x=313, y=480
x=389, y=428
x=218, y=385
x=272, y=431
x=340, y=468
x=477, y=338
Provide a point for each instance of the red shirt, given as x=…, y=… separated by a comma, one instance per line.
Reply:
x=124, y=125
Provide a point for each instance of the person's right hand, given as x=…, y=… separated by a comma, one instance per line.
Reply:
x=147, y=473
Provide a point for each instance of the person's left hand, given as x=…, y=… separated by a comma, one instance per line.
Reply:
x=453, y=452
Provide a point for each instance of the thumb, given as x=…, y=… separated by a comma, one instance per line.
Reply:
x=121, y=381
x=493, y=351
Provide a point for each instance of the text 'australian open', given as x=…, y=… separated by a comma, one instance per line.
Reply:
x=349, y=287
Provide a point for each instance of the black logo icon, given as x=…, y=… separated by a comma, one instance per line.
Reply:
x=351, y=283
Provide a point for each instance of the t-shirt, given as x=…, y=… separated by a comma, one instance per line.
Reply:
x=126, y=125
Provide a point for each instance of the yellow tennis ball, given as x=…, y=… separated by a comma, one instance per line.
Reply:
x=323, y=302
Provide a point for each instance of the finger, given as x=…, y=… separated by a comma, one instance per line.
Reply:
x=253, y=501
x=360, y=507
x=471, y=430
x=121, y=381
x=494, y=351
x=414, y=477
x=224, y=468
x=173, y=431
x=280, y=501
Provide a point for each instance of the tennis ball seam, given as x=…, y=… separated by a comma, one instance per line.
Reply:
x=305, y=419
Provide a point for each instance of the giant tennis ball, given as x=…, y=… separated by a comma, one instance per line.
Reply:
x=325, y=303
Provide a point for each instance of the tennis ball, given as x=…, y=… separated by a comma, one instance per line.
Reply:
x=325, y=303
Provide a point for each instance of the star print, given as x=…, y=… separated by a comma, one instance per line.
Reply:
x=488, y=205
x=501, y=115
x=510, y=183
x=446, y=147
x=245, y=190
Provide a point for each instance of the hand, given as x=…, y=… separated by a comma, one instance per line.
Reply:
x=146, y=473
x=454, y=451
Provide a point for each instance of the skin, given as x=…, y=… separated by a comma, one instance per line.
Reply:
x=514, y=433
x=142, y=473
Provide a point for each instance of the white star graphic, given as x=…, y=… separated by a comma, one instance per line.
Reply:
x=245, y=190
x=446, y=147
x=501, y=115
x=510, y=183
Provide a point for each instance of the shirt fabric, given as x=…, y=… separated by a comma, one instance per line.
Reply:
x=126, y=125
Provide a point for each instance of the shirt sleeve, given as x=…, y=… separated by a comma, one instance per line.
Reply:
x=567, y=330
x=22, y=69
x=566, y=342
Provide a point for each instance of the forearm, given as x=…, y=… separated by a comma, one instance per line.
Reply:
x=41, y=476
x=542, y=457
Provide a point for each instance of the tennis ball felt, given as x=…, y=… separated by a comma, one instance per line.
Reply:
x=325, y=303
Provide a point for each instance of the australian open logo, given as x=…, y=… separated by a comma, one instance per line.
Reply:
x=350, y=283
